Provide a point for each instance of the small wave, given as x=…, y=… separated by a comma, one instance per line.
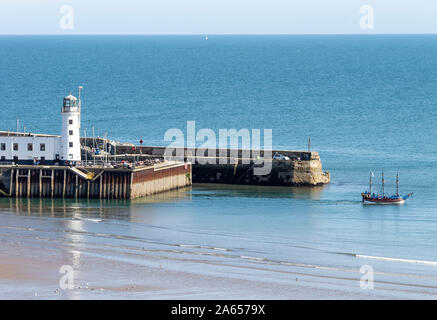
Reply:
x=91, y=219
x=188, y=246
x=202, y=247
x=252, y=258
x=343, y=253
x=424, y=262
x=17, y=228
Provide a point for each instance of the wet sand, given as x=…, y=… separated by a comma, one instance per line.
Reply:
x=29, y=277
x=31, y=271
x=131, y=253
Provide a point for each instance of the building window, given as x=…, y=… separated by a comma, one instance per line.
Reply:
x=70, y=144
x=70, y=156
x=30, y=147
x=43, y=158
x=3, y=146
x=70, y=121
x=15, y=146
x=70, y=132
x=42, y=147
x=3, y=158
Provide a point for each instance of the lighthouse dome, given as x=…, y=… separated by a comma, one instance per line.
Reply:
x=70, y=97
x=70, y=104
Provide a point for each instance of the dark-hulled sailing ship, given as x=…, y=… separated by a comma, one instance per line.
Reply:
x=381, y=198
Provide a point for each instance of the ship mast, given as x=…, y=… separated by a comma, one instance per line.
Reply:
x=383, y=183
x=397, y=184
x=370, y=183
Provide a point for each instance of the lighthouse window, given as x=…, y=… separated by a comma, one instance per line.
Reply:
x=70, y=132
x=3, y=146
x=70, y=121
x=42, y=147
x=15, y=146
x=71, y=144
x=29, y=147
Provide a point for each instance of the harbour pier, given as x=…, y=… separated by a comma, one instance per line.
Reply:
x=71, y=166
x=92, y=182
x=227, y=166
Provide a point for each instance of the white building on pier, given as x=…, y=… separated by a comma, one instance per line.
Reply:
x=29, y=148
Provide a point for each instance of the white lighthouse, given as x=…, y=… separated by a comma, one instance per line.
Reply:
x=70, y=135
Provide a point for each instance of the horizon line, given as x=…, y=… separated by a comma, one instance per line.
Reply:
x=216, y=34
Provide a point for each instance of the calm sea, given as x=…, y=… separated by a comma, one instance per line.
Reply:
x=368, y=103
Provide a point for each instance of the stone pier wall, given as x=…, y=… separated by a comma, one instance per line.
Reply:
x=283, y=173
x=148, y=181
x=303, y=169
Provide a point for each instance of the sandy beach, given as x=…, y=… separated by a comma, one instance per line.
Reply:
x=108, y=266
x=24, y=277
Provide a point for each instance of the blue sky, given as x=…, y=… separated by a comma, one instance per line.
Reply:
x=217, y=16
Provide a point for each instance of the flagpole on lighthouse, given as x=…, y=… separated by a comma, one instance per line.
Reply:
x=80, y=88
x=80, y=106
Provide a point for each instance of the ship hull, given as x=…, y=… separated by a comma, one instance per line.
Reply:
x=376, y=201
x=383, y=200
